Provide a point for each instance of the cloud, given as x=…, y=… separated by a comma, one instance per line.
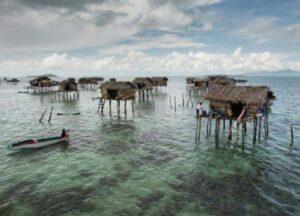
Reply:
x=136, y=62
x=265, y=29
x=61, y=25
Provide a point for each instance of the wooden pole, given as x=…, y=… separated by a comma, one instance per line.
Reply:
x=224, y=123
x=243, y=134
x=170, y=99
x=110, y=107
x=175, y=103
x=254, y=130
x=118, y=107
x=259, y=128
x=230, y=130
x=217, y=132
x=182, y=100
x=102, y=107
x=125, y=107
x=199, y=128
x=132, y=106
x=292, y=135
x=49, y=120
x=43, y=115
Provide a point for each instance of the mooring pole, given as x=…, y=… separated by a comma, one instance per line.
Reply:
x=292, y=135
x=49, y=120
x=43, y=115
x=182, y=100
x=170, y=99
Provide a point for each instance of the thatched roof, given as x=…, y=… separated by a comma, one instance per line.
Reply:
x=240, y=94
x=222, y=80
x=39, y=79
x=145, y=81
x=68, y=85
x=90, y=80
x=117, y=85
x=159, y=81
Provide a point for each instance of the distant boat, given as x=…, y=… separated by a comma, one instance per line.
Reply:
x=33, y=144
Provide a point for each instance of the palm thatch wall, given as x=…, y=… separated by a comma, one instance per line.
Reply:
x=68, y=85
x=143, y=83
x=160, y=81
x=117, y=90
x=231, y=100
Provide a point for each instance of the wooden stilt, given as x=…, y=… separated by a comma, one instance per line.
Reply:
x=109, y=107
x=259, y=128
x=125, y=107
x=224, y=123
x=175, y=103
x=199, y=128
x=102, y=106
x=230, y=130
x=217, y=132
x=132, y=106
x=170, y=99
x=118, y=107
x=254, y=130
x=243, y=134
x=182, y=100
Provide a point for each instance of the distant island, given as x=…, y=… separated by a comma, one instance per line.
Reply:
x=280, y=73
x=47, y=75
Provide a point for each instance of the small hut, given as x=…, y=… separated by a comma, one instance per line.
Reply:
x=143, y=84
x=13, y=81
x=221, y=80
x=68, y=85
x=231, y=100
x=89, y=82
x=200, y=83
x=190, y=80
x=41, y=81
x=241, y=103
x=117, y=90
x=160, y=81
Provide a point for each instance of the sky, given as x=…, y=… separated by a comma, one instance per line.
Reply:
x=148, y=37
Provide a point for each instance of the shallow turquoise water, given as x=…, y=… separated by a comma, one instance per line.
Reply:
x=148, y=162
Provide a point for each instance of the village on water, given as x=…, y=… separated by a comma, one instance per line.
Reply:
x=225, y=101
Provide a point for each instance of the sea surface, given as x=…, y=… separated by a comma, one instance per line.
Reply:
x=146, y=163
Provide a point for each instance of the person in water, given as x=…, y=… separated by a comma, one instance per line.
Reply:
x=242, y=115
x=64, y=133
x=199, y=108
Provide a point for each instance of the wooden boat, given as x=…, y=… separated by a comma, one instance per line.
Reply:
x=32, y=144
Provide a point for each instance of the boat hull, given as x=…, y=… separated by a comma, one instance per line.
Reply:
x=38, y=143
